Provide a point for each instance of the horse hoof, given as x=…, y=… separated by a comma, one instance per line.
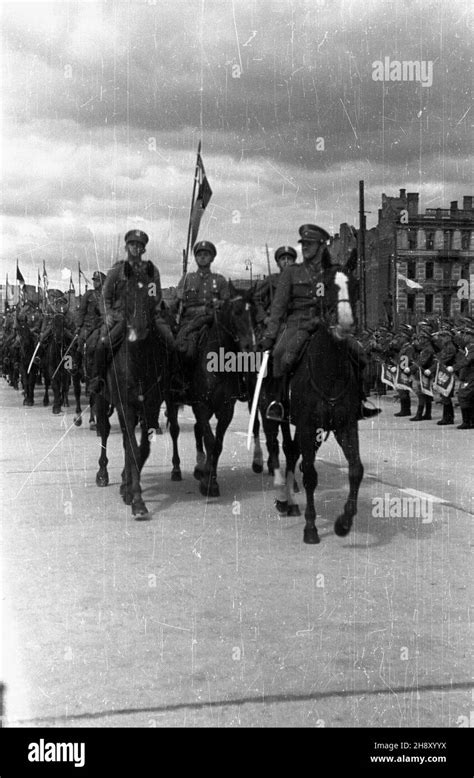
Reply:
x=209, y=489
x=78, y=421
x=296, y=488
x=140, y=511
x=293, y=510
x=56, y=409
x=282, y=507
x=271, y=470
x=24, y=401
x=102, y=480
x=176, y=475
x=198, y=473
x=310, y=535
x=342, y=525
x=92, y=425
x=257, y=468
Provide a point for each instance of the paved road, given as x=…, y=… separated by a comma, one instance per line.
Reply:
x=214, y=613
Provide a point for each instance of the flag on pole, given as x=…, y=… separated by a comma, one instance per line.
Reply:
x=203, y=196
x=84, y=276
x=411, y=284
x=19, y=276
x=71, y=285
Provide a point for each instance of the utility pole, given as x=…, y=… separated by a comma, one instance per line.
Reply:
x=361, y=248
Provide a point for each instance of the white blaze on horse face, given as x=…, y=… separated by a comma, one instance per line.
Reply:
x=344, y=310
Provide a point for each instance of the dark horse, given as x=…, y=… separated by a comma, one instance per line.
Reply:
x=137, y=385
x=217, y=385
x=57, y=349
x=325, y=398
x=28, y=342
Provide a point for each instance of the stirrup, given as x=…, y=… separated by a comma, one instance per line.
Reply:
x=275, y=411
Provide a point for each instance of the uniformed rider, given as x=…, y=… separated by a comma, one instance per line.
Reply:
x=89, y=314
x=298, y=305
x=265, y=289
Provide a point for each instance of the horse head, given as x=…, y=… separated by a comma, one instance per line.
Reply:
x=237, y=316
x=139, y=299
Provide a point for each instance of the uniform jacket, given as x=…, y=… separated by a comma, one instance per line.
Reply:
x=89, y=314
x=200, y=289
x=465, y=364
x=116, y=281
x=447, y=354
x=303, y=292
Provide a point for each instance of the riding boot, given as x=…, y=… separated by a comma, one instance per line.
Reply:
x=448, y=414
x=467, y=420
x=405, y=408
x=419, y=411
x=427, y=413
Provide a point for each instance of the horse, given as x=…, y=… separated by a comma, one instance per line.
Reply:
x=28, y=342
x=137, y=385
x=59, y=343
x=324, y=398
x=217, y=383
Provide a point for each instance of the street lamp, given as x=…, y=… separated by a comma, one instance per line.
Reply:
x=248, y=266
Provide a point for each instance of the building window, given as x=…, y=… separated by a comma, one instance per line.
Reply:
x=411, y=268
x=465, y=240
x=429, y=267
x=430, y=240
x=412, y=239
x=447, y=270
x=446, y=305
x=447, y=239
x=428, y=303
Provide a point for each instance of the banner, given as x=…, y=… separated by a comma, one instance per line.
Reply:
x=444, y=381
x=203, y=196
x=19, y=276
x=403, y=381
x=387, y=376
x=426, y=383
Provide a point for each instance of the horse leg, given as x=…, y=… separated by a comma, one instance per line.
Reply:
x=200, y=455
x=133, y=463
x=56, y=386
x=77, y=395
x=273, y=447
x=92, y=412
x=308, y=447
x=348, y=440
x=291, y=453
x=172, y=414
x=224, y=418
x=289, y=446
x=103, y=427
x=257, y=460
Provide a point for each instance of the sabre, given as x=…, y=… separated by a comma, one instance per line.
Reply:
x=63, y=357
x=33, y=357
x=256, y=394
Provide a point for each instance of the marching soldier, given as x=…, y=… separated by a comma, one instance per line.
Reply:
x=113, y=329
x=446, y=357
x=298, y=301
x=404, y=359
x=424, y=361
x=465, y=371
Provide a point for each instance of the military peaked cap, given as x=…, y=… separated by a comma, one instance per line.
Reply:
x=312, y=232
x=285, y=251
x=205, y=245
x=137, y=235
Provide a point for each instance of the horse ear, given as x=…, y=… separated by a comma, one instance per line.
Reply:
x=127, y=270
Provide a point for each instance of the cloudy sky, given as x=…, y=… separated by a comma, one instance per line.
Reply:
x=104, y=104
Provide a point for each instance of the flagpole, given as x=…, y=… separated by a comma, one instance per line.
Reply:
x=196, y=171
x=269, y=273
x=79, y=278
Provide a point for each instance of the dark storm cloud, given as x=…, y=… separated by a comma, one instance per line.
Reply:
x=278, y=74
